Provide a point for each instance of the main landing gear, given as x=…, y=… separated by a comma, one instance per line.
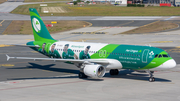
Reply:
x=151, y=79
x=114, y=72
x=82, y=75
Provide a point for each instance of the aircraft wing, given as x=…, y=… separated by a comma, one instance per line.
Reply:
x=36, y=46
x=97, y=61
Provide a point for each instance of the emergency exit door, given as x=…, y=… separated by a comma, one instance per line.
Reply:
x=145, y=55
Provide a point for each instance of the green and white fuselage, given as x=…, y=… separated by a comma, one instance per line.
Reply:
x=94, y=58
x=130, y=56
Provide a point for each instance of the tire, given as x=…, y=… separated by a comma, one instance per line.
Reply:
x=116, y=72
x=82, y=75
x=112, y=72
x=151, y=79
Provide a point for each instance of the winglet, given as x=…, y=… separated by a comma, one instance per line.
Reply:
x=7, y=57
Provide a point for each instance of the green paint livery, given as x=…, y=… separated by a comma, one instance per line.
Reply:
x=130, y=56
x=102, y=53
x=93, y=59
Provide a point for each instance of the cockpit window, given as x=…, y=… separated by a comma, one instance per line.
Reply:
x=159, y=56
x=169, y=55
x=165, y=56
x=156, y=55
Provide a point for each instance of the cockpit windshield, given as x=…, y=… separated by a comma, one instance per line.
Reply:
x=165, y=56
x=156, y=55
x=162, y=55
x=159, y=56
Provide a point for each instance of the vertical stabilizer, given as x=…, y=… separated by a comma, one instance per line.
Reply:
x=39, y=29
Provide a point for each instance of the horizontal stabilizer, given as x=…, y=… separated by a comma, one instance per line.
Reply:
x=7, y=57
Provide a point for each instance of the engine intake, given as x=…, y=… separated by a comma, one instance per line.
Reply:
x=94, y=71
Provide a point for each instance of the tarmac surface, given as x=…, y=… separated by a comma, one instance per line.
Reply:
x=37, y=80
x=125, y=23
x=3, y=25
x=46, y=80
x=22, y=80
x=102, y=25
x=8, y=16
x=25, y=69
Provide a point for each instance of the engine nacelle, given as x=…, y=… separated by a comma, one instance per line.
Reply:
x=94, y=71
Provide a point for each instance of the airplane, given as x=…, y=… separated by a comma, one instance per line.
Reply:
x=93, y=59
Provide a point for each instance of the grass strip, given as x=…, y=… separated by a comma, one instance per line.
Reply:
x=44, y=0
x=153, y=27
x=24, y=27
x=2, y=1
x=101, y=10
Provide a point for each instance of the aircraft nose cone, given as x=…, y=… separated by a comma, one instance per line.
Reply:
x=173, y=63
x=169, y=64
x=166, y=65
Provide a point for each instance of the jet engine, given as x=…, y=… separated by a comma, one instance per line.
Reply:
x=94, y=71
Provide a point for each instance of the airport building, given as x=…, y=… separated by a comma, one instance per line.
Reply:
x=172, y=2
x=120, y=2
x=158, y=1
x=177, y=3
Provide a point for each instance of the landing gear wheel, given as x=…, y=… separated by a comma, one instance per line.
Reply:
x=111, y=72
x=151, y=79
x=82, y=75
x=114, y=72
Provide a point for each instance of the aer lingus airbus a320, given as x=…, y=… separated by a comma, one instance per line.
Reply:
x=94, y=58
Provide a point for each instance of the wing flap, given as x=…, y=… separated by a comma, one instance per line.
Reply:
x=97, y=61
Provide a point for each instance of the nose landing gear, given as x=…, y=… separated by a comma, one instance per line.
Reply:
x=151, y=79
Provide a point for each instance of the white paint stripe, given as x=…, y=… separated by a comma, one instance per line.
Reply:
x=170, y=18
x=132, y=17
x=124, y=19
x=127, y=18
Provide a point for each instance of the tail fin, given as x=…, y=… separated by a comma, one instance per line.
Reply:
x=39, y=29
